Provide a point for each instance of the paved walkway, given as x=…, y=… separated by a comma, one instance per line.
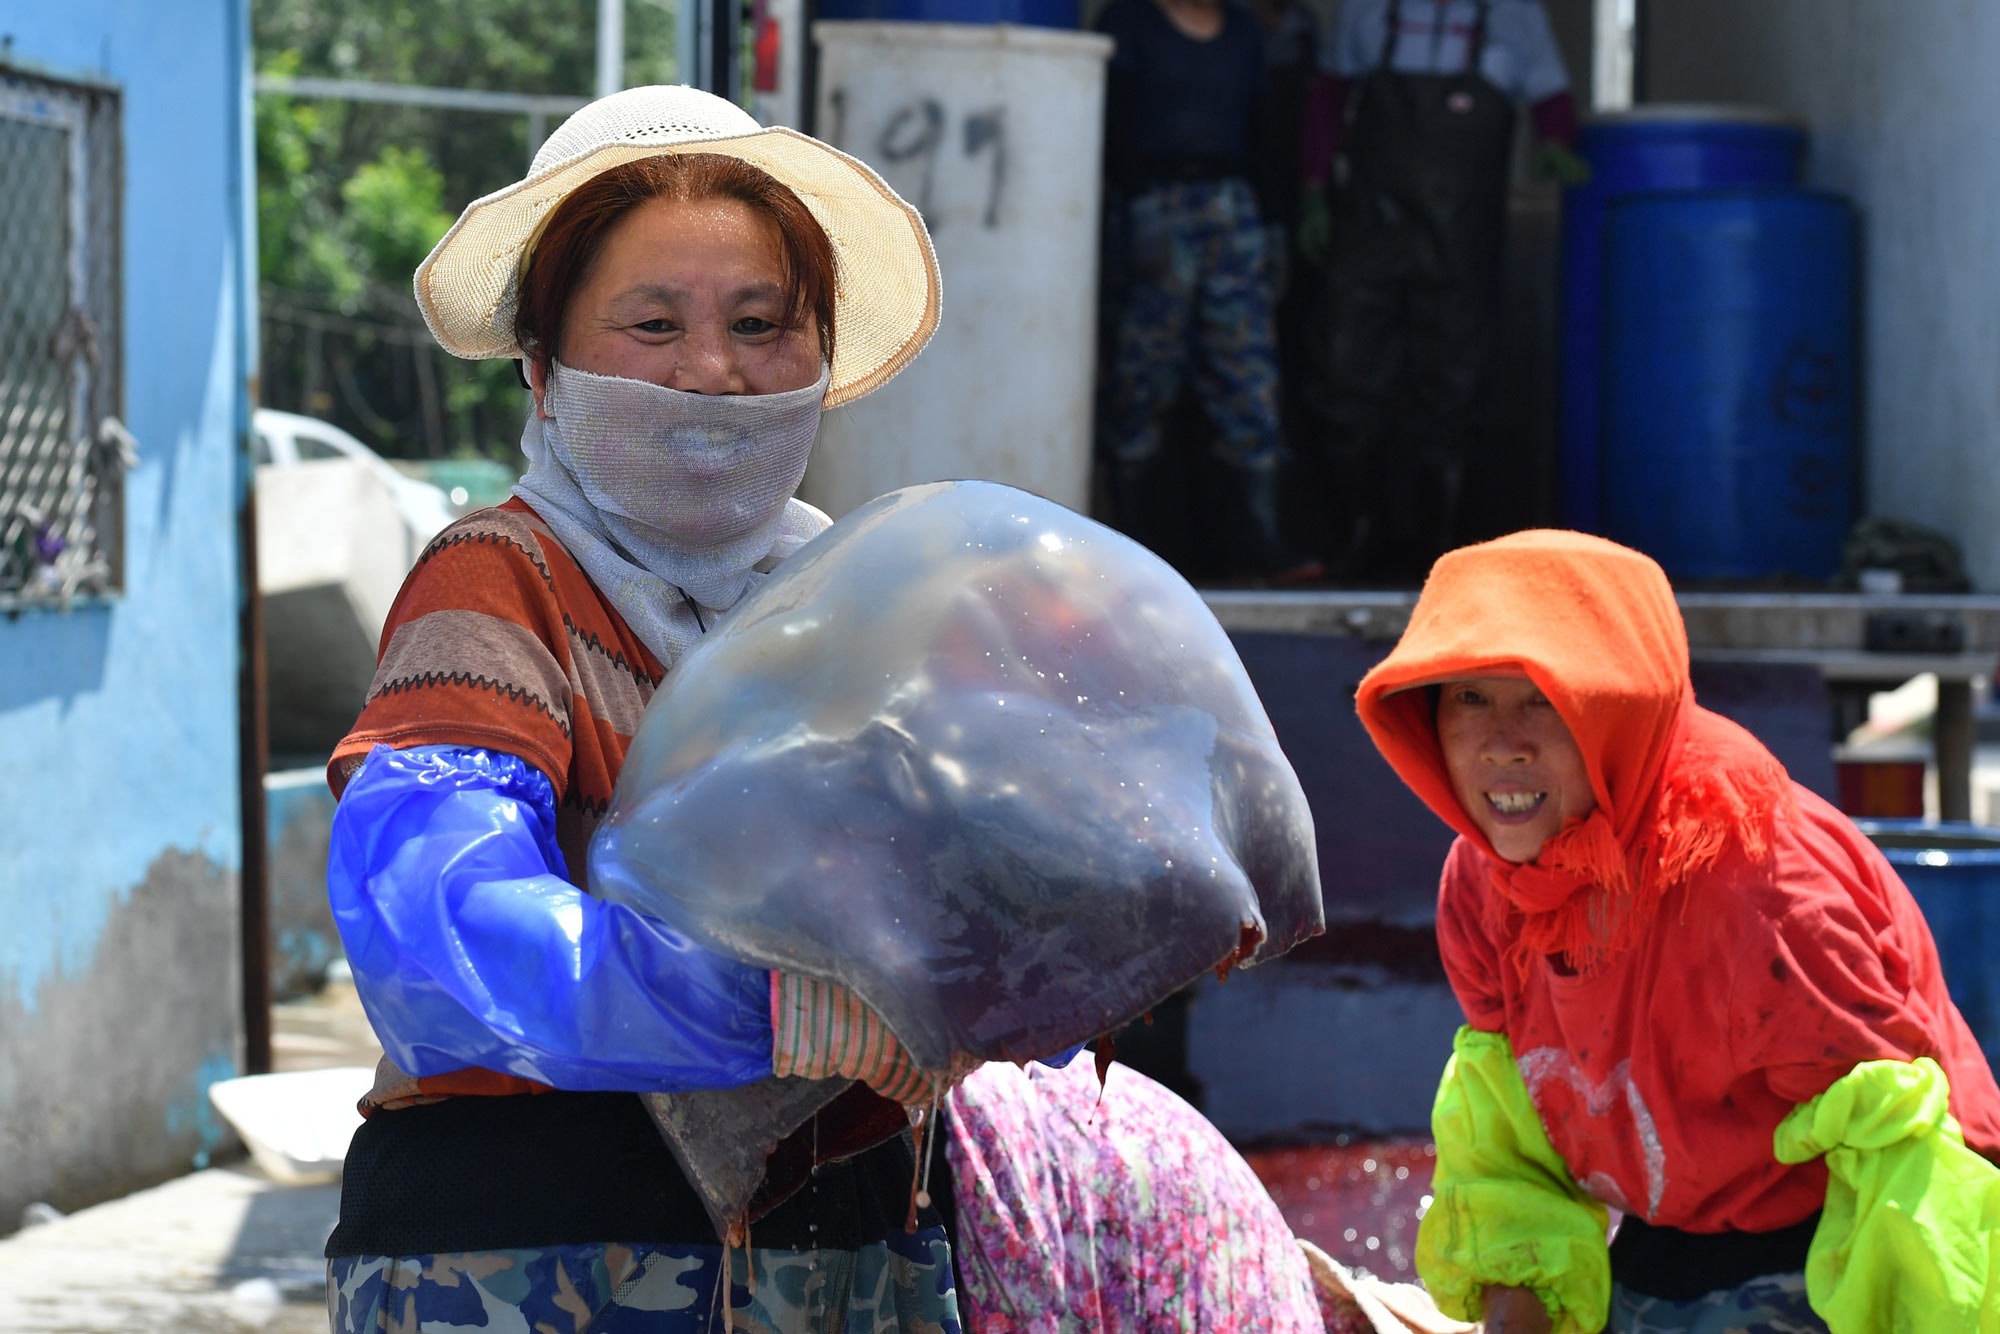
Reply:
x=209, y=1253
x=215, y=1252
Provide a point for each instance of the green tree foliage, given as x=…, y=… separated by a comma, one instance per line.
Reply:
x=395, y=209
x=351, y=195
x=299, y=243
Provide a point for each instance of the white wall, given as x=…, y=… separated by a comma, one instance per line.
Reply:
x=993, y=132
x=1902, y=102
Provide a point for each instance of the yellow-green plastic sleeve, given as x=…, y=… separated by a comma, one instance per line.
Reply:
x=1504, y=1210
x=1906, y=1240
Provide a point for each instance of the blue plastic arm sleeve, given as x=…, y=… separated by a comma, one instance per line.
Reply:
x=470, y=948
x=1061, y=1058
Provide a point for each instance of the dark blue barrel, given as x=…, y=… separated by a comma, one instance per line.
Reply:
x=1039, y=13
x=1645, y=149
x=1953, y=871
x=1729, y=440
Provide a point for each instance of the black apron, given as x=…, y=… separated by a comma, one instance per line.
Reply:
x=1413, y=286
x=1428, y=160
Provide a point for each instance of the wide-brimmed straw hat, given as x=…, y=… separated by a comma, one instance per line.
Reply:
x=886, y=291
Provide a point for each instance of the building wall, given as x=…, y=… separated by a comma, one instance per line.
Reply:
x=1900, y=101
x=120, y=832
x=298, y=825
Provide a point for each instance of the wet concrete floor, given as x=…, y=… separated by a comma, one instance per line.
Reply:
x=228, y=1250
x=220, y=1251
x=1356, y=1199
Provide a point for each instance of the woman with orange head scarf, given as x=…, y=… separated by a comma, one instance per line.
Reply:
x=1694, y=992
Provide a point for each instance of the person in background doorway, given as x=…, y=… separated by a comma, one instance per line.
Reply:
x=1417, y=99
x=1189, y=297
x=1694, y=991
x=1291, y=54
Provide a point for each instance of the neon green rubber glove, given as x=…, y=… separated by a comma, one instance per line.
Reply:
x=1561, y=164
x=1315, y=235
x=1903, y=1243
x=821, y=1030
x=1989, y=1219
x=1504, y=1211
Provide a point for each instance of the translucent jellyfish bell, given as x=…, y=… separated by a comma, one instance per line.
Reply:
x=986, y=762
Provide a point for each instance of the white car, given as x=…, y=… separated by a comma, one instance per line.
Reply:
x=286, y=438
x=337, y=530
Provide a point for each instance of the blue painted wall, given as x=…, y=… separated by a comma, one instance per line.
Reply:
x=298, y=825
x=120, y=832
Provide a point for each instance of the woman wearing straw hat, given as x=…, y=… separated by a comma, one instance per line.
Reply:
x=686, y=292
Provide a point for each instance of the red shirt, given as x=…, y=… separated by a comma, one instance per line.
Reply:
x=1662, y=1075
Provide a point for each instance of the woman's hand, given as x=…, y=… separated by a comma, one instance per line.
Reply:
x=1514, y=1311
x=821, y=1030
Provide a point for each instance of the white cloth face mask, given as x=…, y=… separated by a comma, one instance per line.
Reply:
x=666, y=497
x=701, y=472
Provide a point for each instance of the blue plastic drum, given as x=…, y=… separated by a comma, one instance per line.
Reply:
x=1635, y=152
x=1953, y=870
x=1729, y=417
x=1039, y=13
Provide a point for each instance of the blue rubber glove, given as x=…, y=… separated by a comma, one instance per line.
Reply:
x=470, y=948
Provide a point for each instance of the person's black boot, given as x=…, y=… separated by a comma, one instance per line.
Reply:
x=1252, y=542
x=1148, y=504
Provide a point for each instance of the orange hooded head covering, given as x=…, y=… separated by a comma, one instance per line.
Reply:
x=1595, y=626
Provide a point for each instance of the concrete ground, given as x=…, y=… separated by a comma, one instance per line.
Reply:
x=220, y=1251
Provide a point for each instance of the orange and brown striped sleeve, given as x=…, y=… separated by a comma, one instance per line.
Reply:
x=474, y=653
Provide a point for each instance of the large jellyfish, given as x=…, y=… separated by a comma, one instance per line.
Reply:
x=988, y=763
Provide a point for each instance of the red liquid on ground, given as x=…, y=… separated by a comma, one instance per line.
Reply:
x=1357, y=1200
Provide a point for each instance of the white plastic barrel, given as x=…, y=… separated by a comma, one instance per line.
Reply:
x=995, y=132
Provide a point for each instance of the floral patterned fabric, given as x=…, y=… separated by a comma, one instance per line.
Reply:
x=1125, y=1212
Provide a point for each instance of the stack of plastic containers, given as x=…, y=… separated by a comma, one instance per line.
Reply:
x=1709, y=347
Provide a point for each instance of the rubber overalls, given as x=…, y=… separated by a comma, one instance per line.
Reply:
x=1413, y=294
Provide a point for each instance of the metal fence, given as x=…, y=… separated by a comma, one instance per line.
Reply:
x=380, y=375
x=63, y=450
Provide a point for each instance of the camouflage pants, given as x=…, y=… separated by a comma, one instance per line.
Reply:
x=1191, y=289
x=902, y=1285
x=1774, y=1304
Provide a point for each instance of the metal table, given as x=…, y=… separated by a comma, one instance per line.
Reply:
x=1860, y=643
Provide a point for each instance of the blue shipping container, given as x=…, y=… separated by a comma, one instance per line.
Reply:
x=1729, y=428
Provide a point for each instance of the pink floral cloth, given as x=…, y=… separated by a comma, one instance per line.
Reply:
x=1125, y=1213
